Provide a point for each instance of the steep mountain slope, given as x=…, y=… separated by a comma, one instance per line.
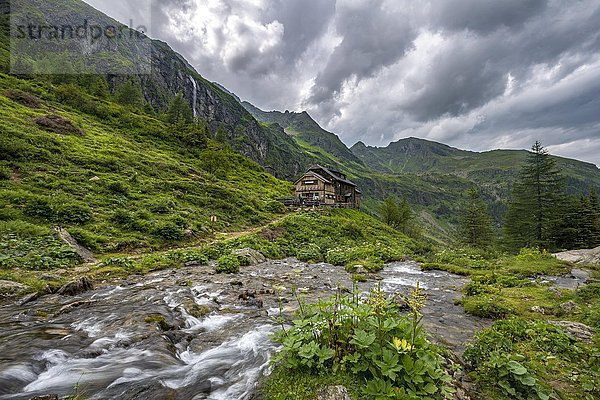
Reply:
x=432, y=176
x=117, y=178
x=410, y=155
x=302, y=126
x=170, y=74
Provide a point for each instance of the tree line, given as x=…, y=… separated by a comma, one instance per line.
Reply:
x=540, y=212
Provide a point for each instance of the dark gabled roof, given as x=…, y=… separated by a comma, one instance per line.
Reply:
x=316, y=176
x=332, y=174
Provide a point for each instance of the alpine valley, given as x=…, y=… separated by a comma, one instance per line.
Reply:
x=146, y=251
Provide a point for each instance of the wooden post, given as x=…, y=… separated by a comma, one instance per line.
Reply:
x=213, y=220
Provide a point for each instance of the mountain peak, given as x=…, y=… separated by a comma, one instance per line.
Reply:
x=358, y=145
x=303, y=126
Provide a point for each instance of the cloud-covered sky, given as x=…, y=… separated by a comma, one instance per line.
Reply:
x=475, y=74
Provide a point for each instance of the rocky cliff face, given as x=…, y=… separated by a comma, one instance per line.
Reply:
x=168, y=74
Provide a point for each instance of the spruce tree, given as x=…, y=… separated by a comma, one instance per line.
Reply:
x=476, y=223
x=535, y=207
x=130, y=94
x=567, y=229
x=99, y=87
x=594, y=216
x=180, y=112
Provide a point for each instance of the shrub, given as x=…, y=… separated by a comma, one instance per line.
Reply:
x=495, y=356
x=591, y=316
x=533, y=254
x=122, y=217
x=39, y=207
x=23, y=229
x=512, y=377
x=486, y=307
x=475, y=288
x=338, y=256
x=353, y=230
x=5, y=173
x=119, y=262
x=118, y=187
x=73, y=213
x=589, y=292
x=371, y=264
x=35, y=252
x=196, y=256
x=169, y=231
x=87, y=239
x=310, y=253
x=9, y=214
x=229, y=264
x=467, y=257
x=368, y=338
x=162, y=206
x=275, y=207
x=359, y=278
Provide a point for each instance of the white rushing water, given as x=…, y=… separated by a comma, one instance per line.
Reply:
x=195, y=96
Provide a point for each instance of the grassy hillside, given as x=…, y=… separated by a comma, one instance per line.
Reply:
x=490, y=169
x=118, y=178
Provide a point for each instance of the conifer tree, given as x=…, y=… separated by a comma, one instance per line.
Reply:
x=476, y=223
x=180, y=112
x=536, y=202
x=99, y=87
x=130, y=94
x=593, y=220
x=595, y=204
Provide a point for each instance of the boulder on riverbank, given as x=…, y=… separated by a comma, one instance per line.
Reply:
x=585, y=256
x=10, y=289
x=76, y=287
x=577, y=329
x=254, y=257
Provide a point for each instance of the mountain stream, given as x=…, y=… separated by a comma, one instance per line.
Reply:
x=186, y=333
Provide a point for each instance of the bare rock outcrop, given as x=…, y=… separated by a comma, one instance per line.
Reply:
x=585, y=256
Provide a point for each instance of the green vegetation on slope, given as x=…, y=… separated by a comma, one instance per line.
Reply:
x=341, y=237
x=121, y=179
x=520, y=359
x=302, y=126
x=525, y=356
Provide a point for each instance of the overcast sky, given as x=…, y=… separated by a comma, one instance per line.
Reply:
x=475, y=74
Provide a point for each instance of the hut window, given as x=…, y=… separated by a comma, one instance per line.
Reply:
x=311, y=182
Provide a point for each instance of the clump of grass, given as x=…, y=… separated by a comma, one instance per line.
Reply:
x=229, y=264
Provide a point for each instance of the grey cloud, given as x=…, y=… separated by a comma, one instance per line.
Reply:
x=373, y=37
x=304, y=21
x=484, y=16
x=356, y=66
